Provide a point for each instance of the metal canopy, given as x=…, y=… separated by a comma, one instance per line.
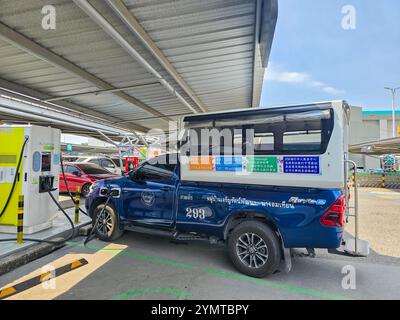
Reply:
x=381, y=147
x=137, y=63
x=15, y=111
x=77, y=148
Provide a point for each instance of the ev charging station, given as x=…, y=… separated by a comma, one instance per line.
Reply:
x=37, y=149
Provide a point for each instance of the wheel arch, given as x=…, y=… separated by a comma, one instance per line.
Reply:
x=267, y=227
x=240, y=216
x=98, y=201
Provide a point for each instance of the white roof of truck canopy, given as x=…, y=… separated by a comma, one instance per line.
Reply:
x=133, y=65
x=301, y=112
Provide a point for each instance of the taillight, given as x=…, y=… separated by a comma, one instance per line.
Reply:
x=334, y=216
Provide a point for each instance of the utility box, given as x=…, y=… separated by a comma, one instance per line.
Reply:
x=40, y=165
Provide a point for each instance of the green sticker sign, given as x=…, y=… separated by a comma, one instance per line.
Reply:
x=261, y=164
x=48, y=147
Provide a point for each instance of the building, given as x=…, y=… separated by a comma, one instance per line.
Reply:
x=368, y=126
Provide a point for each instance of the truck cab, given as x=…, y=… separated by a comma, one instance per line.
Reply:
x=274, y=180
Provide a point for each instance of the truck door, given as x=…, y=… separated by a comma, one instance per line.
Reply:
x=149, y=195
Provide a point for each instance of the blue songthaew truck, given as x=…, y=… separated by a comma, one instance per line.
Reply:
x=262, y=181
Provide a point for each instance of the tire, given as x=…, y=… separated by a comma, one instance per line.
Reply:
x=248, y=259
x=85, y=190
x=112, y=230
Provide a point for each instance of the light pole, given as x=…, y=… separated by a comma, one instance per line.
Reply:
x=393, y=90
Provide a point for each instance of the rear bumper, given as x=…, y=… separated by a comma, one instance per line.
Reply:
x=321, y=237
x=352, y=248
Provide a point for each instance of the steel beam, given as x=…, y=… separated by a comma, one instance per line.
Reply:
x=16, y=91
x=130, y=21
x=98, y=92
x=118, y=38
x=255, y=99
x=33, y=111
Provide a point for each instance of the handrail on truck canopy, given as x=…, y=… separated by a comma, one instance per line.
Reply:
x=347, y=195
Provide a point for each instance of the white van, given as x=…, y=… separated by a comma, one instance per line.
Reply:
x=103, y=162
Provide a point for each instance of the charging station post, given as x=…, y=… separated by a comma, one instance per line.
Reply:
x=77, y=203
x=20, y=223
x=29, y=166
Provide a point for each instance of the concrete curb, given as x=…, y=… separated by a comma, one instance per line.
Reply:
x=37, y=251
x=23, y=257
x=85, y=230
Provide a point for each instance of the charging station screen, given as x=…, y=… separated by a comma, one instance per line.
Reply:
x=46, y=162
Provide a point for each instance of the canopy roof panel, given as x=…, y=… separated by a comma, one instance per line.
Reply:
x=138, y=63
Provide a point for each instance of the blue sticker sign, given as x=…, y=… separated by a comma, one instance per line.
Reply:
x=231, y=164
x=301, y=165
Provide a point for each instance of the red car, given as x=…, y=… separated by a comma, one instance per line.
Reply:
x=82, y=175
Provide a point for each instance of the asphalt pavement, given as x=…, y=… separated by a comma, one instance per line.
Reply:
x=150, y=267
x=140, y=266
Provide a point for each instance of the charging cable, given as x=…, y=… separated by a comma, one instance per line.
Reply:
x=60, y=242
x=110, y=193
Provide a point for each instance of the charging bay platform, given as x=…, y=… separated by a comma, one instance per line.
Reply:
x=60, y=228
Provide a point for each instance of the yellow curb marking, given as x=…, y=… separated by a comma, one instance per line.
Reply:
x=75, y=264
x=45, y=276
x=7, y=291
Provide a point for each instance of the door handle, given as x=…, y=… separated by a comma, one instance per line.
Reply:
x=165, y=189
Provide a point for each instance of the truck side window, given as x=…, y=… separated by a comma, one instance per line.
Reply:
x=215, y=141
x=259, y=139
x=263, y=142
x=287, y=133
x=156, y=171
x=302, y=140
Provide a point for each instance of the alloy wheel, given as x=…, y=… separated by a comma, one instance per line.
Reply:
x=252, y=250
x=105, y=223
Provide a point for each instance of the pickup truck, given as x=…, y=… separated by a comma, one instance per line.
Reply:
x=284, y=189
x=256, y=222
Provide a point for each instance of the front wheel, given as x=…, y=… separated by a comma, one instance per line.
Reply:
x=254, y=249
x=107, y=228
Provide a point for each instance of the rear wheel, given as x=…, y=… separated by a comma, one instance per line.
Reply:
x=254, y=249
x=107, y=228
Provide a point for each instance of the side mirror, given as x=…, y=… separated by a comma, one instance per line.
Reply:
x=76, y=173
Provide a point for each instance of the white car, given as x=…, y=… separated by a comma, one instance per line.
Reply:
x=104, y=162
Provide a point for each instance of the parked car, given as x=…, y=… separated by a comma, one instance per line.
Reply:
x=117, y=161
x=69, y=158
x=82, y=175
x=104, y=162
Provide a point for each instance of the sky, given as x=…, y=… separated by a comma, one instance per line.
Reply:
x=314, y=58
